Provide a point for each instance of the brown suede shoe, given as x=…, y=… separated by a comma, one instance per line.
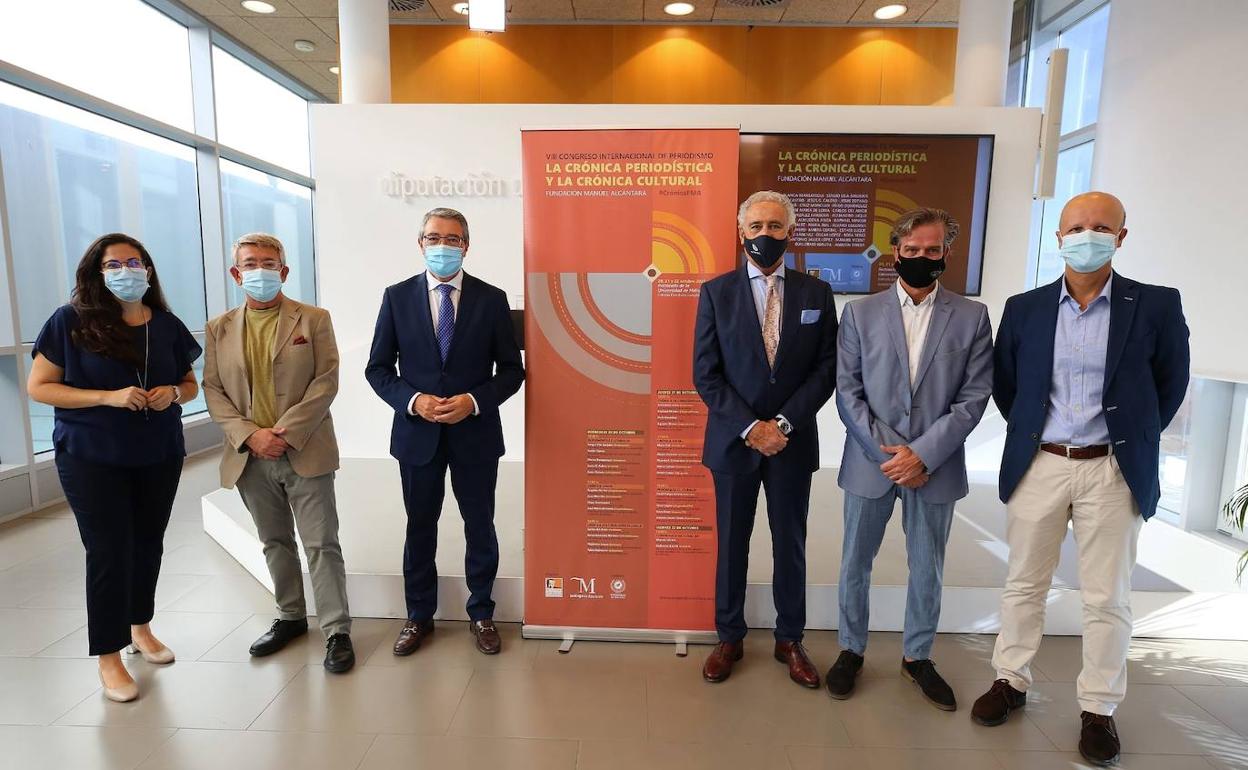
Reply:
x=718, y=666
x=801, y=670
x=486, y=636
x=411, y=635
x=994, y=707
x=1098, y=740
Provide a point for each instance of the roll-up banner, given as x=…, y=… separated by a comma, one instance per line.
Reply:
x=621, y=228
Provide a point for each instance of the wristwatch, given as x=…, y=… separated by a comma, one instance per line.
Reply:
x=784, y=425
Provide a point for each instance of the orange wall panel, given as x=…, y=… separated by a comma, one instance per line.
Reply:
x=651, y=64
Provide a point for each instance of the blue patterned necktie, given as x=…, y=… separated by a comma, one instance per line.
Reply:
x=446, y=320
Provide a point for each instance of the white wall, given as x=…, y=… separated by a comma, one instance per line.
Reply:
x=367, y=240
x=1171, y=142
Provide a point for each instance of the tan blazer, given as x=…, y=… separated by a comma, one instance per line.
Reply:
x=305, y=376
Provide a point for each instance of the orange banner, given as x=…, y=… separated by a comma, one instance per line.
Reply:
x=621, y=228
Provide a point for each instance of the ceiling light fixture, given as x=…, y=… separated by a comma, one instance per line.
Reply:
x=258, y=6
x=460, y=8
x=334, y=69
x=487, y=15
x=307, y=46
x=678, y=9
x=886, y=12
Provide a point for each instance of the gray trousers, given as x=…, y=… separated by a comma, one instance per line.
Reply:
x=279, y=500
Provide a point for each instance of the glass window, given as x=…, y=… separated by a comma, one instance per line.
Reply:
x=122, y=51
x=1086, y=41
x=258, y=116
x=71, y=176
x=1074, y=176
x=1175, y=452
x=41, y=426
x=256, y=202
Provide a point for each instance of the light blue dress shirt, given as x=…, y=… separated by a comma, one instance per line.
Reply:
x=1076, y=416
x=758, y=285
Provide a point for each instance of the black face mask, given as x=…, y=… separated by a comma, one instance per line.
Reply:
x=919, y=272
x=765, y=250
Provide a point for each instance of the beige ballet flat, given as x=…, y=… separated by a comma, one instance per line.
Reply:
x=161, y=658
x=123, y=694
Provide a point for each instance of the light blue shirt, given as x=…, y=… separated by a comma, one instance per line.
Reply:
x=758, y=284
x=1076, y=416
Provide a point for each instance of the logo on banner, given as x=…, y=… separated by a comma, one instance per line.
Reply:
x=585, y=589
x=554, y=588
x=617, y=587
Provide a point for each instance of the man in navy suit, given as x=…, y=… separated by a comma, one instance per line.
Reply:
x=1087, y=372
x=457, y=360
x=764, y=362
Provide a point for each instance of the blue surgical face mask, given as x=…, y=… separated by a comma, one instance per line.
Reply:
x=1088, y=251
x=262, y=285
x=127, y=284
x=444, y=261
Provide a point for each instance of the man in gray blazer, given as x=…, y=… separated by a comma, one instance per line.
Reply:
x=914, y=373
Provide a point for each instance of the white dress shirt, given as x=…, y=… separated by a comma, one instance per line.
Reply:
x=435, y=303
x=916, y=319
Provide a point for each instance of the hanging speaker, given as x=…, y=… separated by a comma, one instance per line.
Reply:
x=1051, y=124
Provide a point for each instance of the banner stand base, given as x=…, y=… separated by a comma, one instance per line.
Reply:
x=568, y=635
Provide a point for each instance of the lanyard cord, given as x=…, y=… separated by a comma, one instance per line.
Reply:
x=146, y=354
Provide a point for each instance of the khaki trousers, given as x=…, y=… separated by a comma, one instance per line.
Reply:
x=1092, y=496
x=279, y=499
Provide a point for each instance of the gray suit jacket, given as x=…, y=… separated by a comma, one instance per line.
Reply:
x=875, y=401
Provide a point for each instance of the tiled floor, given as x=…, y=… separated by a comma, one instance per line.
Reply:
x=602, y=706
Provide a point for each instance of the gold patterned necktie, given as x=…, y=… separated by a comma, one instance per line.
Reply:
x=771, y=319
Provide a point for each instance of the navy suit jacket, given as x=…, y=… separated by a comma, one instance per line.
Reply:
x=1146, y=374
x=484, y=361
x=731, y=373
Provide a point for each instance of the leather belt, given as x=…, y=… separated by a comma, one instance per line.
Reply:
x=1077, y=452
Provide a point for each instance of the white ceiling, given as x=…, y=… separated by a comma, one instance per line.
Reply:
x=273, y=35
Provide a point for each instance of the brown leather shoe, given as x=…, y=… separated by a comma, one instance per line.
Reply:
x=994, y=707
x=801, y=670
x=411, y=635
x=1098, y=739
x=486, y=636
x=718, y=664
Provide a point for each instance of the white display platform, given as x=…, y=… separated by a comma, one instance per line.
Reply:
x=1183, y=585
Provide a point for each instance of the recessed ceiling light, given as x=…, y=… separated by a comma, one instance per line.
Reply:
x=334, y=69
x=886, y=12
x=460, y=8
x=678, y=9
x=258, y=6
x=487, y=15
x=307, y=46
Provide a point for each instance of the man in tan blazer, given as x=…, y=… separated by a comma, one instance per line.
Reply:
x=270, y=375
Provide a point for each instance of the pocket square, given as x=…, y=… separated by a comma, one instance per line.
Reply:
x=811, y=316
x=300, y=340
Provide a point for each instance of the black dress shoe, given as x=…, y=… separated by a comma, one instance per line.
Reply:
x=840, y=678
x=1098, y=740
x=936, y=690
x=278, y=636
x=339, y=654
x=994, y=707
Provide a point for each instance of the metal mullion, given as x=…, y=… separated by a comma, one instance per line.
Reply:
x=6, y=244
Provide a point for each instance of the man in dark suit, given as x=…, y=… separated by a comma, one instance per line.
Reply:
x=1087, y=371
x=764, y=362
x=457, y=361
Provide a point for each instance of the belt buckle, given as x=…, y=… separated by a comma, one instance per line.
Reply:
x=1068, y=447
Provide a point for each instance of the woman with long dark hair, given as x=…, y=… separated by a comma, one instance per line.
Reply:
x=116, y=365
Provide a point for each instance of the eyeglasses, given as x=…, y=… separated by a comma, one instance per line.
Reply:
x=116, y=264
x=268, y=264
x=433, y=239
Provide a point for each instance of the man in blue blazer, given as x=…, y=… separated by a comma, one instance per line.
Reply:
x=914, y=374
x=457, y=360
x=764, y=362
x=1088, y=371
